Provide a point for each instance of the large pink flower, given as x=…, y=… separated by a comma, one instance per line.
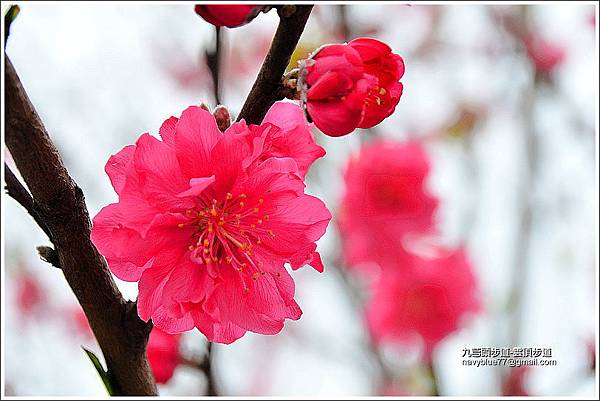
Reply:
x=206, y=221
x=349, y=86
x=426, y=300
x=385, y=198
x=163, y=354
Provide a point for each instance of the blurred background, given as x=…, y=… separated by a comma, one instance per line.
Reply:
x=503, y=98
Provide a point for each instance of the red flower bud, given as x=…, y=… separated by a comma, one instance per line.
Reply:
x=354, y=85
x=231, y=16
x=545, y=55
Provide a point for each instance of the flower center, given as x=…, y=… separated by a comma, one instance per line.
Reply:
x=226, y=232
x=374, y=96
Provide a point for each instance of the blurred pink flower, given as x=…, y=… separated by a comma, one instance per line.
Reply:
x=30, y=296
x=349, y=86
x=427, y=299
x=385, y=198
x=163, y=354
x=205, y=223
x=229, y=15
x=79, y=322
x=513, y=384
x=544, y=54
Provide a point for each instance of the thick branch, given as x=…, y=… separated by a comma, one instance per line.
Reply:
x=267, y=87
x=122, y=336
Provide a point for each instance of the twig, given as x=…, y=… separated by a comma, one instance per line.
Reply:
x=121, y=334
x=345, y=29
x=9, y=17
x=18, y=192
x=205, y=366
x=211, y=386
x=354, y=296
x=267, y=87
x=213, y=60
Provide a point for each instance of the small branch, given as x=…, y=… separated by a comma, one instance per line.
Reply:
x=267, y=87
x=213, y=60
x=385, y=374
x=121, y=334
x=9, y=17
x=49, y=255
x=211, y=387
x=18, y=192
x=344, y=28
x=435, y=385
x=205, y=366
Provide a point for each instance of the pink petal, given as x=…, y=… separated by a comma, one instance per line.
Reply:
x=127, y=254
x=120, y=166
x=195, y=136
x=197, y=186
x=160, y=175
x=167, y=131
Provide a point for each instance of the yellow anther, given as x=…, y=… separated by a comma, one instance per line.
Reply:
x=206, y=243
x=229, y=196
x=253, y=225
x=261, y=200
x=228, y=259
x=255, y=210
x=258, y=241
x=246, y=290
x=259, y=221
x=271, y=233
x=255, y=276
x=242, y=204
x=382, y=91
x=180, y=225
x=243, y=196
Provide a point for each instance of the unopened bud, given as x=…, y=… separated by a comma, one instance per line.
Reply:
x=222, y=117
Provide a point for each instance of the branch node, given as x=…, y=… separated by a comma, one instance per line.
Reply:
x=49, y=255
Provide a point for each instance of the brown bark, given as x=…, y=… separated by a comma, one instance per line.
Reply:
x=267, y=88
x=60, y=204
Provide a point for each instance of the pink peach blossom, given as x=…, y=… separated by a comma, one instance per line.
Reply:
x=545, y=55
x=206, y=221
x=426, y=300
x=385, y=198
x=349, y=86
x=163, y=354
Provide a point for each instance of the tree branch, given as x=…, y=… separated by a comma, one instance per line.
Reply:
x=206, y=366
x=122, y=336
x=213, y=60
x=18, y=192
x=267, y=87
